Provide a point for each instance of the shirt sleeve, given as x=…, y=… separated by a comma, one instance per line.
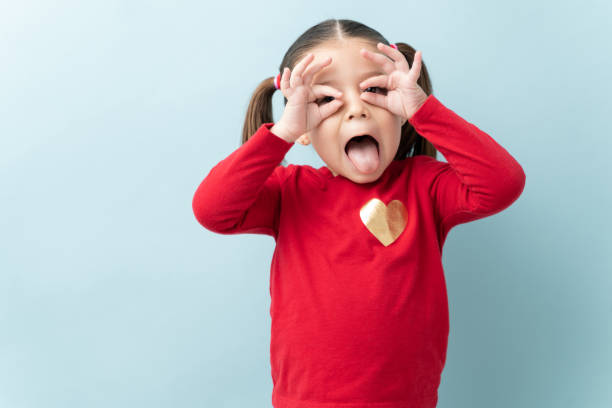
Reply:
x=241, y=194
x=480, y=179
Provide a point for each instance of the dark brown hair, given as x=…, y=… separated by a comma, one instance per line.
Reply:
x=259, y=110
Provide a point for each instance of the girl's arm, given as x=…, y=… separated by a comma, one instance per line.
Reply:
x=241, y=194
x=480, y=179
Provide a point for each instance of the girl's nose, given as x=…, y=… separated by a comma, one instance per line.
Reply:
x=355, y=106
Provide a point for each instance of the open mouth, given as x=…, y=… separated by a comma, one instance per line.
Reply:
x=360, y=139
x=363, y=152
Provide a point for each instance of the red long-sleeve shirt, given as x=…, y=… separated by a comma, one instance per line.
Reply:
x=358, y=299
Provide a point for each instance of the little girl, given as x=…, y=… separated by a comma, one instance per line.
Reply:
x=358, y=296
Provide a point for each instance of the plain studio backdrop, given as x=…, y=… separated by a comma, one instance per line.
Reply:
x=112, y=113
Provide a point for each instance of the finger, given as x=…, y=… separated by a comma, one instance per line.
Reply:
x=313, y=69
x=385, y=63
x=395, y=55
x=296, y=78
x=284, y=82
x=380, y=80
x=375, y=99
x=329, y=108
x=325, y=90
x=415, y=71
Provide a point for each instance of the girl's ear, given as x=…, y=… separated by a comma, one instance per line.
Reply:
x=304, y=139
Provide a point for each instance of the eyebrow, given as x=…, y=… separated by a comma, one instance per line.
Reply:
x=363, y=76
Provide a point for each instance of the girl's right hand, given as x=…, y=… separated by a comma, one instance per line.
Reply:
x=305, y=107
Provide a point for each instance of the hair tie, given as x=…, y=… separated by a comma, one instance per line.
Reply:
x=278, y=77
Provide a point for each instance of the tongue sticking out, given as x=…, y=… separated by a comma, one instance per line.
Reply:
x=363, y=153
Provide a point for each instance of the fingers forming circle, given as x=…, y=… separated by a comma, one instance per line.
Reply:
x=386, y=64
x=298, y=70
x=396, y=55
x=329, y=108
x=375, y=99
x=313, y=69
x=321, y=91
x=415, y=71
x=284, y=82
x=380, y=80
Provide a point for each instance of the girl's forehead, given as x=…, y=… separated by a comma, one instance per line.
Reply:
x=350, y=46
x=344, y=58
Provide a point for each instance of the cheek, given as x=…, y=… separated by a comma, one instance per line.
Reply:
x=326, y=133
x=327, y=146
x=394, y=143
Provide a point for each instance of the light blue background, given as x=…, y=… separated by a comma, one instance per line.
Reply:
x=111, y=114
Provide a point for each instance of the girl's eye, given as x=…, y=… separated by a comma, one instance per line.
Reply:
x=384, y=91
x=319, y=101
x=324, y=99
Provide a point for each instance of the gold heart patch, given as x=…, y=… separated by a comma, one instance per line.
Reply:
x=385, y=222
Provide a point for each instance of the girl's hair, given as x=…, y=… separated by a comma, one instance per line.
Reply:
x=260, y=105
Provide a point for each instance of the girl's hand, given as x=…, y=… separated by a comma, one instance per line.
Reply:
x=404, y=96
x=302, y=112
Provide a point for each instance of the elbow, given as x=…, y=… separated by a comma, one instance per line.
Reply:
x=507, y=188
x=518, y=184
x=210, y=216
x=512, y=186
x=199, y=208
x=203, y=211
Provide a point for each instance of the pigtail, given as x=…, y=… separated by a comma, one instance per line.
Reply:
x=411, y=143
x=259, y=110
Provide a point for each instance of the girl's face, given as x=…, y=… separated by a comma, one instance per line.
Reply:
x=355, y=116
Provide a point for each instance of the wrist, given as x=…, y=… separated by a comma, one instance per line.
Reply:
x=421, y=102
x=279, y=130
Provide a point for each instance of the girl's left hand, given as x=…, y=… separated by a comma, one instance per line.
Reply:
x=404, y=96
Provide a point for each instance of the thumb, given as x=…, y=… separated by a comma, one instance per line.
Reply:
x=329, y=108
